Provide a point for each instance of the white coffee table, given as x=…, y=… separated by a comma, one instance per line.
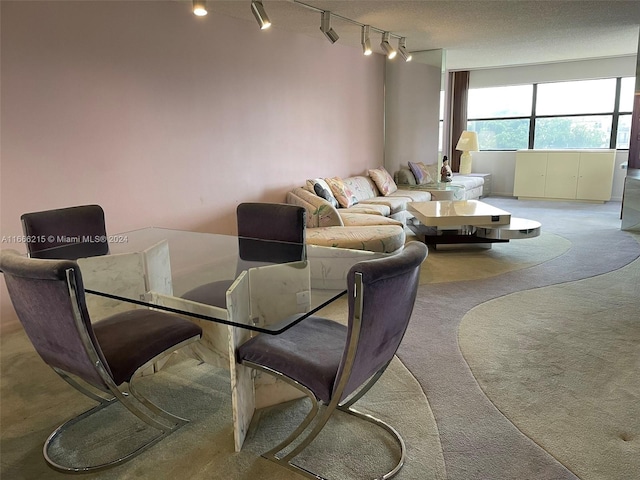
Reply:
x=467, y=221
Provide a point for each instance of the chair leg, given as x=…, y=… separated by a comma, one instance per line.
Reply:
x=151, y=414
x=302, y=441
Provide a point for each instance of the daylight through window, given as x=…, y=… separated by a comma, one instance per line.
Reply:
x=558, y=115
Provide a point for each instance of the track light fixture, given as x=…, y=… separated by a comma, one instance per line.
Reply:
x=325, y=27
x=386, y=46
x=402, y=49
x=366, y=42
x=199, y=8
x=261, y=15
x=258, y=10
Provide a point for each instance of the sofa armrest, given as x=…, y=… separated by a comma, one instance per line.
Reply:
x=320, y=213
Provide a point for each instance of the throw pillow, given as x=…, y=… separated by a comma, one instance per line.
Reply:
x=383, y=181
x=322, y=189
x=343, y=194
x=405, y=177
x=433, y=170
x=421, y=172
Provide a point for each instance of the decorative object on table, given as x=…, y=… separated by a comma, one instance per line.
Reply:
x=334, y=364
x=445, y=171
x=467, y=143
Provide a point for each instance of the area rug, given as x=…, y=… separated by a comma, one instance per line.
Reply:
x=35, y=400
x=478, y=440
x=563, y=364
x=472, y=262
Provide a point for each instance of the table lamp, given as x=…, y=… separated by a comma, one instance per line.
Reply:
x=468, y=143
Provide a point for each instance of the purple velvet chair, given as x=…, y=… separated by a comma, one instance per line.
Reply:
x=335, y=365
x=283, y=224
x=80, y=230
x=100, y=359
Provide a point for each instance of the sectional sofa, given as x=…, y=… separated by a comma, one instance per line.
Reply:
x=354, y=213
x=369, y=212
x=421, y=176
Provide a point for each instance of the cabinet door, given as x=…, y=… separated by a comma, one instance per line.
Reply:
x=562, y=175
x=595, y=177
x=531, y=168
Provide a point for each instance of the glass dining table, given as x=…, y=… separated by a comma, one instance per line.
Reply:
x=144, y=267
x=271, y=287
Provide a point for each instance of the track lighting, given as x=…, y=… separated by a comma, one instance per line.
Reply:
x=386, y=46
x=366, y=43
x=261, y=15
x=402, y=48
x=325, y=27
x=199, y=8
x=258, y=10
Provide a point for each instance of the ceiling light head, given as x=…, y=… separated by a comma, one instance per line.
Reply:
x=366, y=42
x=325, y=27
x=402, y=49
x=386, y=46
x=260, y=13
x=199, y=8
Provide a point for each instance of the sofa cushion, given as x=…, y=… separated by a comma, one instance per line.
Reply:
x=371, y=209
x=362, y=187
x=421, y=173
x=351, y=219
x=414, y=195
x=383, y=181
x=396, y=204
x=468, y=182
x=377, y=238
x=342, y=192
x=323, y=190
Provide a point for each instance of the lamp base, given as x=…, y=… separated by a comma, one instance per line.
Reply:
x=465, y=163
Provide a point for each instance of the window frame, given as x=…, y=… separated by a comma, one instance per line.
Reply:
x=615, y=114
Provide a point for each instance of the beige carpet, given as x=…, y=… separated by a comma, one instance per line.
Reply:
x=458, y=263
x=563, y=364
x=35, y=400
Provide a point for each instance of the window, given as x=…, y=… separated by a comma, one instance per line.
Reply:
x=573, y=132
x=501, y=134
x=561, y=115
x=587, y=96
x=500, y=102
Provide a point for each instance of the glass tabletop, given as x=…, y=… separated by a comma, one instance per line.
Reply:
x=156, y=267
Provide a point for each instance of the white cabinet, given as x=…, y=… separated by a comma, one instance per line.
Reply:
x=531, y=171
x=595, y=176
x=564, y=174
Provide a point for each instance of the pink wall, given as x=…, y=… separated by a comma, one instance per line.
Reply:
x=170, y=120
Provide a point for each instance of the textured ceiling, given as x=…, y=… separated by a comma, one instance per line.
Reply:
x=474, y=33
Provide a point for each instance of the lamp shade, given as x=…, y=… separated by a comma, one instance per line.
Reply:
x=468, y=142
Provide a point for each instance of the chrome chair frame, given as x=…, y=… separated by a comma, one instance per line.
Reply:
x=296, y=442
x=126, y=394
